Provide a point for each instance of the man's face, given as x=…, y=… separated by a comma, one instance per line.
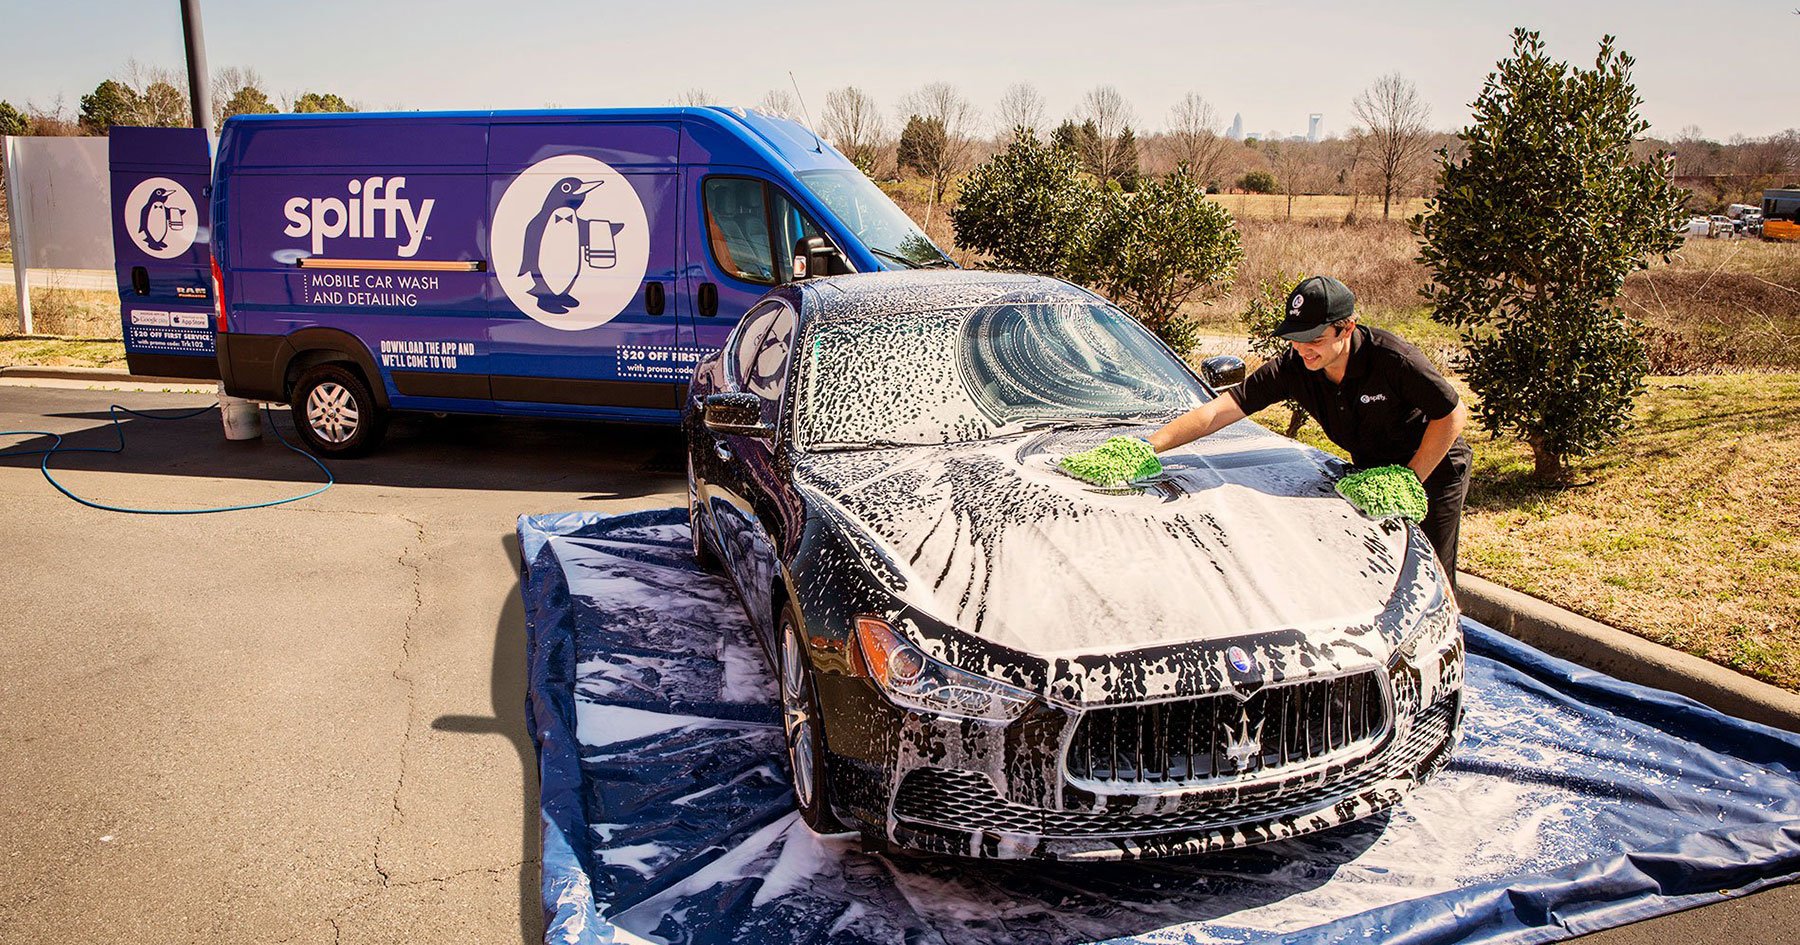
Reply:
x=1328, y=349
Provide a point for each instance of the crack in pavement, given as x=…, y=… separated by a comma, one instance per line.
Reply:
x=404, y=674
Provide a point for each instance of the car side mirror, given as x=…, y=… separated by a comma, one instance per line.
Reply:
x=1223, y=372
x=737, y=413
x=815, y=256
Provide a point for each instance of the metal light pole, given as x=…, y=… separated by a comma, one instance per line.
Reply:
x=199, y=87
x=239, y=416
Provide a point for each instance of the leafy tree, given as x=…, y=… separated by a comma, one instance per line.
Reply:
x=1529, y=238
x=249, y=100
x=1258, y=182
x=164, y=106
x=1027, y=208
x=1154, y=248
x=315, y=102
x=1265, y=313
x=111, y=103
x=12, y=121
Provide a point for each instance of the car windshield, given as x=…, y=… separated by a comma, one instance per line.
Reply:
x=873, y=218
x=954, y=375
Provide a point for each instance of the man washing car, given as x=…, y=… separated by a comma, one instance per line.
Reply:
x=1374, y=394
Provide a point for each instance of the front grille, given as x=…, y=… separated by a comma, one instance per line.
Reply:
x=1195, y=740
x=967, y=801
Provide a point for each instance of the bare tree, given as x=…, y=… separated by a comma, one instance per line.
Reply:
x=853, y=125
x=1020, y=107
x=1194, y=138
x=778, y=102
x=1293, y=166
x=1397, y=121
x=1111, y=115
x=693, y=96
x=941, y=103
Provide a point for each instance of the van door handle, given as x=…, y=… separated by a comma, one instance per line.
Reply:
x=722, y=451
x=653, y=298
x=140, y=280
x=709, y=299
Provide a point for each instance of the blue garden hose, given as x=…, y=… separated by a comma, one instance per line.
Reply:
x=119, y=430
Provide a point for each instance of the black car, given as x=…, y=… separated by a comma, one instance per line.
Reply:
x=982, y=656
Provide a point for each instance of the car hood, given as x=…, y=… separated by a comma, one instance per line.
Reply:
x=1242, y=534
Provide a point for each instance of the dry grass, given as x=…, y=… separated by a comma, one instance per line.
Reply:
x=1327, y=207
x=48, y=351
x=1686, y=532
x=74, y=313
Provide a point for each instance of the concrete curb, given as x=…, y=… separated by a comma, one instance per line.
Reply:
x=1612, y=651
x=91, y=374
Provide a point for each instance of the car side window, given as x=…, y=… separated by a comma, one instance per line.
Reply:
x=737, y=228
x=759, y=359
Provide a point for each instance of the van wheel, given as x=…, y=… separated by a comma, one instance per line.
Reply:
x=335, y=413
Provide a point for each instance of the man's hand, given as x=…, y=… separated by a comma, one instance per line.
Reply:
x=1209, y=417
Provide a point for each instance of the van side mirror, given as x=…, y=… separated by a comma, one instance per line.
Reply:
x=815, y=256
x=1223, y=372
x=737, y=413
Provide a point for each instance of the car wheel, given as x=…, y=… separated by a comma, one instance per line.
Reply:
x=807, y=764
x=335, y=413
x=703, y=553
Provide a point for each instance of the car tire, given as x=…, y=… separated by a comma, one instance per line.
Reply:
x=335, y=413
x=809, y=768
x=703, y=553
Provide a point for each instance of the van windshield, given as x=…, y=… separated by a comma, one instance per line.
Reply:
x=873, y=219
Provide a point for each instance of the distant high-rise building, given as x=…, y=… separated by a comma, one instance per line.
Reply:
x=1237, y=127
x=1312, y=126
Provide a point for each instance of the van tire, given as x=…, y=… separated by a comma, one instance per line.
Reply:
x=335, y=412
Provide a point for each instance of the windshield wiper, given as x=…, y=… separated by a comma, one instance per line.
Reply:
x=1081, y=423
x=896, y=258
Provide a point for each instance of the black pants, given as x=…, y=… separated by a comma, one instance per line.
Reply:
x=1445, y=491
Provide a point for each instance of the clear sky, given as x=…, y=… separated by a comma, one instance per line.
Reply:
x=1728, y=66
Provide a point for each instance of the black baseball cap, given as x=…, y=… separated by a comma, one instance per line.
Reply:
x=1314, y=305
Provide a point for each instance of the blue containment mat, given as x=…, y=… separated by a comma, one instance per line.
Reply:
x=1575, y=802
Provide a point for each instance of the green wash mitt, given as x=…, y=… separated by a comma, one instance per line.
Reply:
x=1385, y=491
x=1120, y=459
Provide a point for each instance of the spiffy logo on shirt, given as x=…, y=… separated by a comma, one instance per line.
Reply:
x=1373, y=398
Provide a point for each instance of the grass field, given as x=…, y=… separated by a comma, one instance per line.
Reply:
x=1326, y=207
x=1686, y=532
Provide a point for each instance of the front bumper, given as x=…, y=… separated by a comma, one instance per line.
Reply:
x=1003, y=790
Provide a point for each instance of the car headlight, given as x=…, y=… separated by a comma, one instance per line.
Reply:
x=1433, y=648
x=915, y=680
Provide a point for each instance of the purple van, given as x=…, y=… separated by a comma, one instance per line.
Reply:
x=556, y=263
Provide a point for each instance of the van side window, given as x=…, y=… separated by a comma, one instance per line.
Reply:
x=791, y=226
x=737, y=228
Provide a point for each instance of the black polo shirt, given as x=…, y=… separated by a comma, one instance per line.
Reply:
x=1378, y=414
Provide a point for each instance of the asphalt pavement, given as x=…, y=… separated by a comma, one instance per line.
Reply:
x=306, y=723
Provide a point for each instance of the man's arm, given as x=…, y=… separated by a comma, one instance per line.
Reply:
x=1214, y=415
x=1440, y=435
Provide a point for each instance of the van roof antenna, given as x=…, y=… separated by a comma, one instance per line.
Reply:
x=817, y=147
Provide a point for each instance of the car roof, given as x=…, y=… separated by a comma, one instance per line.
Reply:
x=876, y=294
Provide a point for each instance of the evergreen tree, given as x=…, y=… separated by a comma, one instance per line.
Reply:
x=315, y=102
x=1530, y=237
x=111, y=103
x=1127, y=159
x=1027, y=208
x=249, y=100
x=13, y=121
x=922, y=145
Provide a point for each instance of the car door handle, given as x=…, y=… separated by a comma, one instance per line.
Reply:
x=722, y=451
x=709, y=299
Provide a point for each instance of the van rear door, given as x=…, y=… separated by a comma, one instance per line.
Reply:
x=162, y=249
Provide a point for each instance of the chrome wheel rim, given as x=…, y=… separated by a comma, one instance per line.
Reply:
x=331, y=412
x=797, y=716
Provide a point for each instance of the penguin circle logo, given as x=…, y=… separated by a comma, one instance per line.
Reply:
x=570, y=242
x=161, y=217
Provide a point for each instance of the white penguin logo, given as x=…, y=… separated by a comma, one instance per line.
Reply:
x=570, y=242
x=161, y=217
